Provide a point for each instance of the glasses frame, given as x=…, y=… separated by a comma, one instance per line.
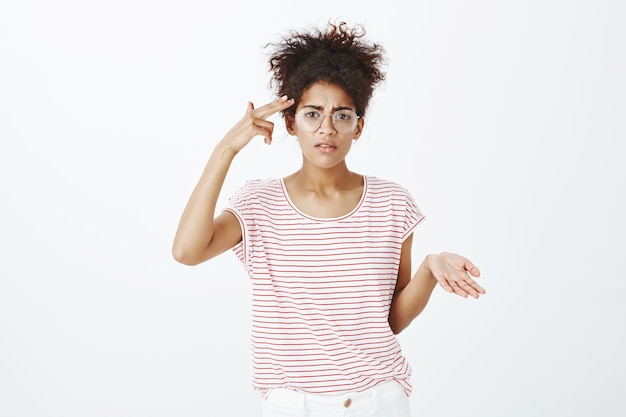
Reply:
x=299, y=113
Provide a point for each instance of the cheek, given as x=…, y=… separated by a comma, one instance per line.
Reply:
x=304, y=139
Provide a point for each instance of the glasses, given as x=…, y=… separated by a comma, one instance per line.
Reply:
x=310, y=120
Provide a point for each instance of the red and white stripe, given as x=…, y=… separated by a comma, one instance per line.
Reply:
x=322, y=288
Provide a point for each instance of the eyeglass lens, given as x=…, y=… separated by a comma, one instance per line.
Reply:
x=344, y=121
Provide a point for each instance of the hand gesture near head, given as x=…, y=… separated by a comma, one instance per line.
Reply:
x=455, y=274
x=255, y=123
x=201, y=235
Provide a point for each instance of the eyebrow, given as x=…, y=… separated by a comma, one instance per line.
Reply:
x=322, y=107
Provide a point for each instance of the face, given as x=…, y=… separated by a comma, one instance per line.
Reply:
x=325, y=147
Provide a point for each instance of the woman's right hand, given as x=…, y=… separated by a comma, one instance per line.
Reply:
x=201, y=235
x=255, y=123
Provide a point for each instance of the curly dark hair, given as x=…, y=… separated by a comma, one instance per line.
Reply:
x=338, y=55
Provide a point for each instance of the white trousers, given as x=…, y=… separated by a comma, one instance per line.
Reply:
x=385, y=400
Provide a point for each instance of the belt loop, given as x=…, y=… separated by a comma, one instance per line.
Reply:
x=375, y=399
x=303, y=410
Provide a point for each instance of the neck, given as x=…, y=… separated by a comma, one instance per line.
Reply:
x=329, y=179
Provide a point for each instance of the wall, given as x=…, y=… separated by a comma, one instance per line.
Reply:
x=504, y=119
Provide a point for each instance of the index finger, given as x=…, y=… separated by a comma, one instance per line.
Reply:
x=275, y=106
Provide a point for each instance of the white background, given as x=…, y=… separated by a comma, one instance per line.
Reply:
x=505, y=119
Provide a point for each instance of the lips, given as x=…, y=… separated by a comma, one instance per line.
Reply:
x=325, y=145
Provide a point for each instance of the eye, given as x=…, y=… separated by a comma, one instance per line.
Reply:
x=313, y=114
x=344, y=116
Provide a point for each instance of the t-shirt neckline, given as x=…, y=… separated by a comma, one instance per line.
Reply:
x=324, y=219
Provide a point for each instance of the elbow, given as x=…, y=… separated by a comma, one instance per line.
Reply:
x=183, y=256
x=397, y=329
x=396, y=325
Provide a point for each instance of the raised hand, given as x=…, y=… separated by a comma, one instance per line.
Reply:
x=455, y=274
x=255, y=123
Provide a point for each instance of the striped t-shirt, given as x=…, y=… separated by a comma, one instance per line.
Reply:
x=322, y=287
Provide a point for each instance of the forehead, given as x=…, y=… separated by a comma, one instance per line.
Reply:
x=325, y=95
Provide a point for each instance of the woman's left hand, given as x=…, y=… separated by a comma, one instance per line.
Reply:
x=454, y=273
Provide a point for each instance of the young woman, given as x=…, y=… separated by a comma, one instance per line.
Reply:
x=328, y=250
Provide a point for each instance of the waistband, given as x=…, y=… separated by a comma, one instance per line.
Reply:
x=295, y=399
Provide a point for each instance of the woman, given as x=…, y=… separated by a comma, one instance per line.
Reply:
x=328, y=250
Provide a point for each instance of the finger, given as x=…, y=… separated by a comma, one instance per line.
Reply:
x=472, y=288
x=275, y=106
x=458, y=290
x=266, y=126
x=446, y=286
x=265, y=129
x=469, y=289
x=471, y=268
x=250, y=107
x=475, y=287
x=263, y=124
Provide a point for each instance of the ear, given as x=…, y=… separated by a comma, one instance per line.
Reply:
x=290, y=124
x=359, y=128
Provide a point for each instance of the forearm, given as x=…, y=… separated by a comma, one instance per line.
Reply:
x=409, y=302
x=195, y=228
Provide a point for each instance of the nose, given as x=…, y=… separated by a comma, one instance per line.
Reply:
x=327, y=125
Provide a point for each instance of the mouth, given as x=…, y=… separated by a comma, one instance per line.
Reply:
x=325, y=146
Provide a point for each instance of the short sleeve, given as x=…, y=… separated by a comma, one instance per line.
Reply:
x=238, y=205
x=413, y=215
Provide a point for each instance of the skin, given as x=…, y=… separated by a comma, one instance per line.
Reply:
x=323, y=187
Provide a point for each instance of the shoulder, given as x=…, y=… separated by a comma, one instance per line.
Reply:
x=384, y=187
x=260, y=187
x=258, y=192
x=398, y=199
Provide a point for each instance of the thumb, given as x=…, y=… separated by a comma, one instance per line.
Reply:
x=250, y=106
x=471, y=268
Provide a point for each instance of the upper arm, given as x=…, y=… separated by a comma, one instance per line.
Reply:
x=226, y=234
x=404, y=270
